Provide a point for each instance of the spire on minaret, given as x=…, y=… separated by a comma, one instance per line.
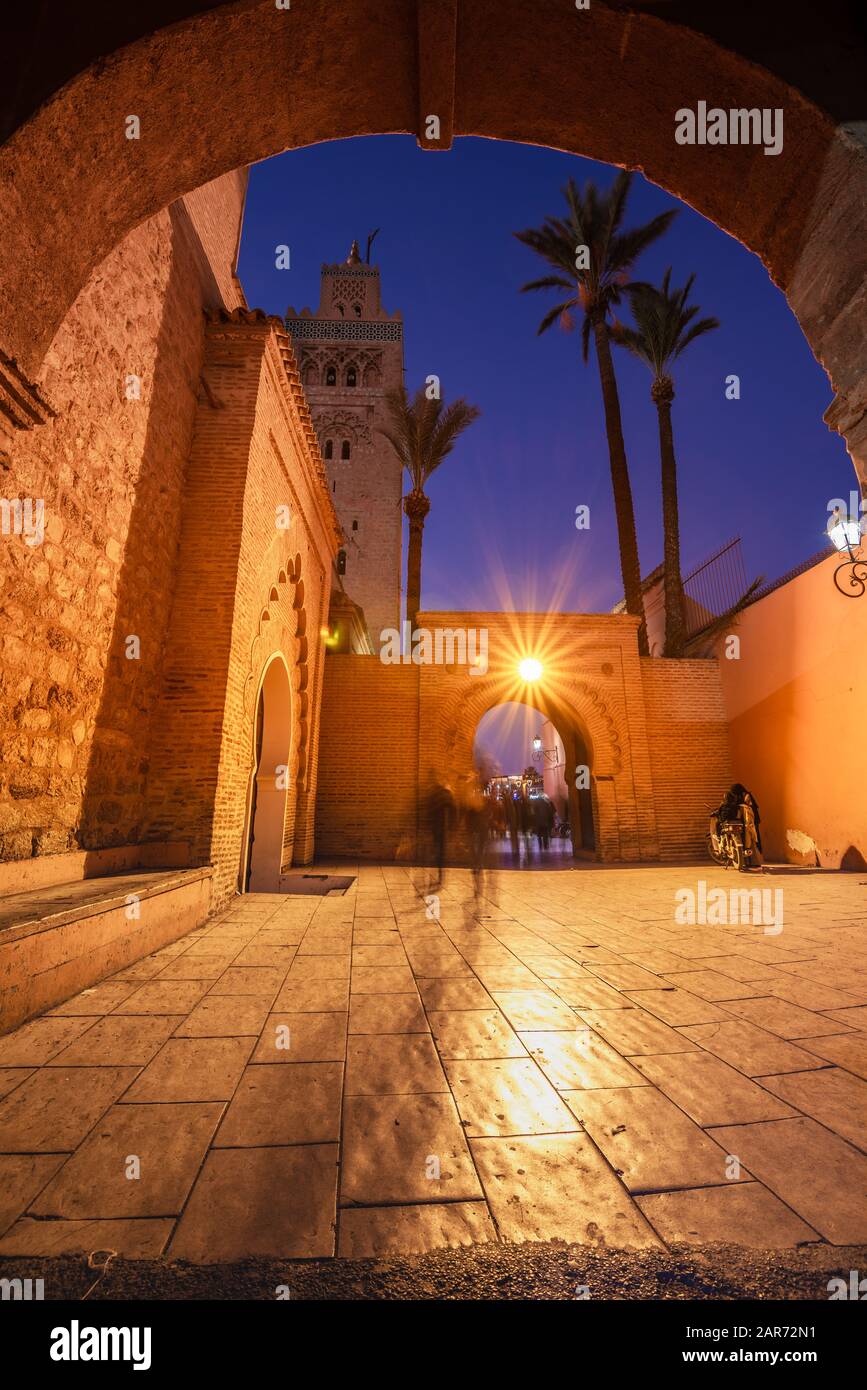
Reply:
x=354, y=257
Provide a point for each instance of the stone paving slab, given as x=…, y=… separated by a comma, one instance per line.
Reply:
x=114, y=1041
x=226, y=1015
x=750, y=1049
x=10, y=1077
x=818, y=1175
x=57, y=1107
x=98, y=1000
x=399, y=1149
x=537, y=1011
x=168, y=1142
x=848, y=1050
x=580, y=1060
x=741, y=1214
x=377, y=1232
x=142, y=1239
x=832, y=1096
x=649, y=1142
x=506, y=1096
x=454, y=994
x=22, y=1178
x=635, y=1031
x=787, y=1020
x=192, y=1069
x=261, y=1201
x=558, y=1187
x=677, y=1007
x=284, y=1103
x=467, y=1033
x=163, y=997
x=394, y=1064
x=387, y=1013
x=710, y=1091
x=38, y=1041
x=672, y=1046
x=302, y=1037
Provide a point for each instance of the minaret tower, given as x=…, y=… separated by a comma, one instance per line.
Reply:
x=350, y=353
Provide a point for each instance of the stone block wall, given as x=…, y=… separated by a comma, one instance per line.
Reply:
x=135, y=636
x=109, y=468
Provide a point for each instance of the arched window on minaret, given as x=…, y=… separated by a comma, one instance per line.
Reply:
x=330, y=376
x=341, y=310
x=344, y=449
x=341, y=562
x=351, y=376
x=371, y=375
x=357, y=310
x=311, y=375
x=329, y=449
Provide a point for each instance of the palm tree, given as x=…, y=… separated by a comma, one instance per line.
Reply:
x=665, y=328
x=422, y=433
x=593, y=257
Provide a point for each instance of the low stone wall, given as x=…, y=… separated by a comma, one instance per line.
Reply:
x=46, y=961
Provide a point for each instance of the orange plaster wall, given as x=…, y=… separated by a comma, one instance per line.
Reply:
x=796, y=701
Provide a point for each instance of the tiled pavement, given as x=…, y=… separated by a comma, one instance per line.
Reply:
x=314, y=1076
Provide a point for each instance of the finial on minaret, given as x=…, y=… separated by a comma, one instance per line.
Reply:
x=354, y=257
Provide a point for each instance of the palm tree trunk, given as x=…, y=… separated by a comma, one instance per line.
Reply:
x=662, y=393
x=623, y=507
x=416, y=505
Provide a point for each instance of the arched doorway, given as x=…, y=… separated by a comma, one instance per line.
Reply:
x=536, y=765
x=269, y=783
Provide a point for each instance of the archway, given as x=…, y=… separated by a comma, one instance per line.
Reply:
x=534, y=761
x=290, y=77
x=269, y=782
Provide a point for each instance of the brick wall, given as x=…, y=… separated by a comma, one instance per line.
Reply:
x=689, y=750
x=656, y=728
x=366, y=803
x=248, y=589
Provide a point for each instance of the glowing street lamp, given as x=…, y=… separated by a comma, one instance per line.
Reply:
x=850, y=577
x=530, y=669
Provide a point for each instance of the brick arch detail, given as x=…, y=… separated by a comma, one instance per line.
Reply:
x=575, y=705
x=273, y=637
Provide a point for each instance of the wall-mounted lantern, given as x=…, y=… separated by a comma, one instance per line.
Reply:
x=851, y=576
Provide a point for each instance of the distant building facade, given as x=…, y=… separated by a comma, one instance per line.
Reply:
x=350, y=353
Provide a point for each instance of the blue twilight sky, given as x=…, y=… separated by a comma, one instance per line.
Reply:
x=501, y=531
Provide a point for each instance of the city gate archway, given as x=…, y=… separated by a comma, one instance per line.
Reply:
x=654, y=732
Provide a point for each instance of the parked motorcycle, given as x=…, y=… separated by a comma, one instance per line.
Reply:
x=730, y=841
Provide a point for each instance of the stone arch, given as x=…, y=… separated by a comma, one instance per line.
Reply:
x=573, y=706
x=576, y=705
x=297, y=84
